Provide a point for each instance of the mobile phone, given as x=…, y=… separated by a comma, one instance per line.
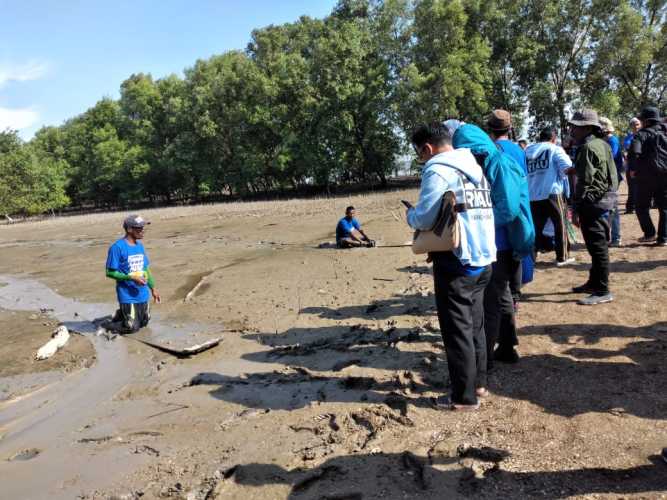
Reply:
x=406, y=203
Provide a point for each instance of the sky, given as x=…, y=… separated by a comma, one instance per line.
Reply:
x=59, y=57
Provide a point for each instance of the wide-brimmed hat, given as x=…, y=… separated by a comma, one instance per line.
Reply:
x=650, y=113
x=499, y=119
x=585, y=118
x=606, y=125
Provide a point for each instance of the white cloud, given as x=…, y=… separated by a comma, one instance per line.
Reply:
x=17, y=119
x=32, y=70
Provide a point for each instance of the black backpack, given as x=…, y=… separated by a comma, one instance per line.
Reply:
x=654, y=149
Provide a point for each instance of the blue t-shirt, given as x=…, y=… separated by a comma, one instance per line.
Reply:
x=617, y=153
x=131, y=260
x=345, y=227
x=547, y=164
x=627, y=141
x=516, y=153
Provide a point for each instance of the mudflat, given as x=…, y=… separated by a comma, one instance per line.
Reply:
x=323, y=385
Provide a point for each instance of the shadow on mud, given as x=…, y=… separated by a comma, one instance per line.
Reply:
x=409, y=305
x=349, y=477
x=630, y=380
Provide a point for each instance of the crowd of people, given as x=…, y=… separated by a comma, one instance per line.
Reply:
x=539, y=193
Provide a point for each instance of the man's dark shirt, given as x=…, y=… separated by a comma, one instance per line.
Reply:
x=596, y=170
x=637, y=160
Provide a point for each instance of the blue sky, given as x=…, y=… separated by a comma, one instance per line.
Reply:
x=59, y=57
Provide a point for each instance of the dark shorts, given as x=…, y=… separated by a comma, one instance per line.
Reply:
x=129, y=318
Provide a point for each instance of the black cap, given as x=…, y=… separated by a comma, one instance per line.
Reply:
x=650, y=113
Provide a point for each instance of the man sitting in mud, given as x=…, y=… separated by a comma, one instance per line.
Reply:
x=128, y=265
x=349, y=233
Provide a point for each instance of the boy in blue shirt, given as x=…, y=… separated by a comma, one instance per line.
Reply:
x=349, y=233
x=128, y=264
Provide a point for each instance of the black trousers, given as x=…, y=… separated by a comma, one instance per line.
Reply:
x=552, y=208
x=130, y=318
x=499, y=323
x=652, y=187
x=596, y=231
x=460, y=302
x=632, y=188
x=516, y=281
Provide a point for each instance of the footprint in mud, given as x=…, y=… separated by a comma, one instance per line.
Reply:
x=24, y=455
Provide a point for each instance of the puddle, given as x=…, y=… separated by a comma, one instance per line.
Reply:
x=24, y=455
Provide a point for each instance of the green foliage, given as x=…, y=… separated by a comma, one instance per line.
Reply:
x=331, y=101
x=30, y=181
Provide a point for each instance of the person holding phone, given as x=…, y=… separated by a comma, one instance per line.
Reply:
x=349, y=233
x=461, y=275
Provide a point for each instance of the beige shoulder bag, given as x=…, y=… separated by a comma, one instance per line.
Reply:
x=446, y=233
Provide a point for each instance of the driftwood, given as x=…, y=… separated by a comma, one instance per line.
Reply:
x=194, y=289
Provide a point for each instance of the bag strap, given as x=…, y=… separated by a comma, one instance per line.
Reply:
x=459, y=207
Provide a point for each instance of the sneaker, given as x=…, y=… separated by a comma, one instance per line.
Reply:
x=585, y=288
x=664, y=454
x=505, y=355
x=566, y=262
x=661, y=243
x=445, y=403
x=595, y=299
x=646, y=239
x=615, y=244
x=482, y=392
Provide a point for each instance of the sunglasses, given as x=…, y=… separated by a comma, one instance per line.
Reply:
x=137, y=228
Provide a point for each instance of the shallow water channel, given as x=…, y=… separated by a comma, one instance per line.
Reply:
x=38, y=429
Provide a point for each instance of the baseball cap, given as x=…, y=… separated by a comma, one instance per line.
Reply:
x=134, y=221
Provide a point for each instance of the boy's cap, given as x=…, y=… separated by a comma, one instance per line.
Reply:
x=499, y=119
x=134, y=221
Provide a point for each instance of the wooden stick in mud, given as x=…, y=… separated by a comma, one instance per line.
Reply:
x=192, y=292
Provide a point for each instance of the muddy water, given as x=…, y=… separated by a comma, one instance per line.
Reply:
x=38, y=430
x=46, y=419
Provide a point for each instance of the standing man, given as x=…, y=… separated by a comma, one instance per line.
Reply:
x=461, y=275
x=507, y=271
x=349, y=233
x=595, y=195
x=649, y=149
x=635, y=126
x=617, y=153
x=548, y=165
x=128, y=264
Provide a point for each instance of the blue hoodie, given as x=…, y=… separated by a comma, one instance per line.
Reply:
x=458, y=171
x=509, y=190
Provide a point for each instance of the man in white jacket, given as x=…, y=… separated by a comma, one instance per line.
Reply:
x=460, y=276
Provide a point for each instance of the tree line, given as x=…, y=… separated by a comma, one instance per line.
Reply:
x=330, y=101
